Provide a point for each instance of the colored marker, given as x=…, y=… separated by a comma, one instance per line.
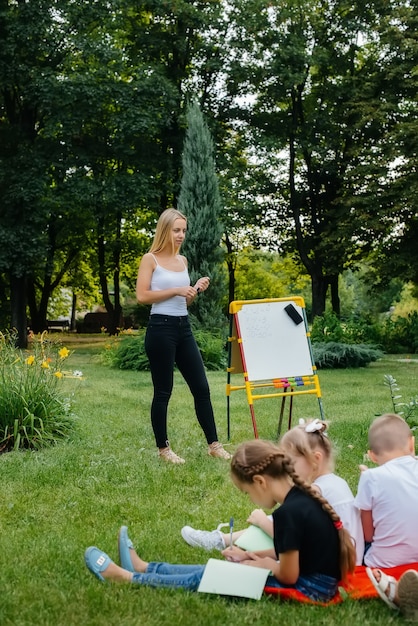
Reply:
x=231, y=528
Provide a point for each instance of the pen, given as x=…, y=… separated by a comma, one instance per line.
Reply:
x=231, y=528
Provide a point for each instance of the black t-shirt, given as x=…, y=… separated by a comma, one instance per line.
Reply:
x=300, y=523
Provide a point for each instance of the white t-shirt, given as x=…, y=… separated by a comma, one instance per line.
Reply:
x=390, y=491
x=336, y=490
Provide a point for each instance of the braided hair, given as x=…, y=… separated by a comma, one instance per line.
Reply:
x=259, y=457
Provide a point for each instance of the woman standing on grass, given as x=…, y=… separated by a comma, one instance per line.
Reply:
x=163, y=281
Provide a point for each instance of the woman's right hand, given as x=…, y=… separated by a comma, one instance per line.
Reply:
x=187, y=292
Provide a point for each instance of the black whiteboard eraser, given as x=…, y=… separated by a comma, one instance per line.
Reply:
x=293, y=313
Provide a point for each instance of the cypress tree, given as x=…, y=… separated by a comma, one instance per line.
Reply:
x=200, y=201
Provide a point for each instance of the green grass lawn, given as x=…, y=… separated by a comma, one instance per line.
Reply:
x=56, y=502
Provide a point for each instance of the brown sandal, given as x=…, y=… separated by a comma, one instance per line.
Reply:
x=217, y=450
x=171, y=457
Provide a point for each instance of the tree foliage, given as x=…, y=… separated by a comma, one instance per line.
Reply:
x=200, y=200
x=315, y=81
x=312, y=107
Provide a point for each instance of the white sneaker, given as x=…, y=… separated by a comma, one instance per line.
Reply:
x=207, y=539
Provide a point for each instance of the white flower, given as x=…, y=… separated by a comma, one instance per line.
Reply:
x=77, y=373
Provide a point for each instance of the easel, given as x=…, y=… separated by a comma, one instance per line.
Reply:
x=269, y=343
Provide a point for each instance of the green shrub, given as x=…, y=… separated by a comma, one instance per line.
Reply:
x=331, y=354
x=326, y=328
x=393, y=335
x=128, y=351
x=34, y=410
x=400, y=334
x=212, y=348
x=356, y=330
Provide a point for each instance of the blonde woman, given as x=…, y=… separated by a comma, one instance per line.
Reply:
x=164, y=283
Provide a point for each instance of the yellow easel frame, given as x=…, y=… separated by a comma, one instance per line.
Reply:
x=290, y=385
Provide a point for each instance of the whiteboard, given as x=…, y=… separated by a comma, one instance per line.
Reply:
x=273, y=345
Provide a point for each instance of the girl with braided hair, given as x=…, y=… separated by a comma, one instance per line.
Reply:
x=313, y=548
x=312, y=453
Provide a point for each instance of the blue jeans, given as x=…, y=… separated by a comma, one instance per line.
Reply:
x=171, y=576
x=318, y=587
x=169, y=341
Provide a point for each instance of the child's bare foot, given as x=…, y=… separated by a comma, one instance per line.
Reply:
x=116, y=574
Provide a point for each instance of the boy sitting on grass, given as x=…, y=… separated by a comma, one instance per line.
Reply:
x=388, y=501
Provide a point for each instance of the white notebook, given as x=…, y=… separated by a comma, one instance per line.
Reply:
x=233, y=579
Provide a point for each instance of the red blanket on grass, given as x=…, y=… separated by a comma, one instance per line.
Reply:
x=357, y=587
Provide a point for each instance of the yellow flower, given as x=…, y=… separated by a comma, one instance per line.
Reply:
x=45, y=365
x=58, y=374
x=30, y=360
x=63, y=353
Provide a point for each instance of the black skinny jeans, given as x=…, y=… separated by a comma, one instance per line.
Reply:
x=169, y=340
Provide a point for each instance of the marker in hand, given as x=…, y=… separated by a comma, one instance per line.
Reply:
x=231, y=528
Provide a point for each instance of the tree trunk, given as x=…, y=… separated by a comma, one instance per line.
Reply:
x=319, y=294
x=73, y=311
x=18, y=309
x=116, y=315
x=38, y=322
x=335, y=298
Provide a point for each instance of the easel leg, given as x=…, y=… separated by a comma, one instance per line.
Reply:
x=228, y=425
x=289, y=424
x=253, y=420
x=279, y=427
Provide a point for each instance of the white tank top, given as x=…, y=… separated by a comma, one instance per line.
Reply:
x=167, y=279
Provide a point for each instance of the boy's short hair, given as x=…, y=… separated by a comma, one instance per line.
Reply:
x=389, y=432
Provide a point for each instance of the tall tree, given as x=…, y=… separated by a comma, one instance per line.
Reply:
x=80, y=136
x=28, y=56
x=200, y=200
x=312, y=78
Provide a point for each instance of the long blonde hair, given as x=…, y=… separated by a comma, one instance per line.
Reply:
x=163, y=230
x=265, y=458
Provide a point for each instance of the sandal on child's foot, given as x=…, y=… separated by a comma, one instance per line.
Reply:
x=171, y=457
x=218, y=451
x=385, y=586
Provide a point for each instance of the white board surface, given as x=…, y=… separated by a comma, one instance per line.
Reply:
x=274, y=345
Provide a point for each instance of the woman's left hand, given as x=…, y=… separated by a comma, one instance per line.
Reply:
x=202, y=284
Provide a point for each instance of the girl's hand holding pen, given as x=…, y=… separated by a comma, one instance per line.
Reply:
x=235, y=554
